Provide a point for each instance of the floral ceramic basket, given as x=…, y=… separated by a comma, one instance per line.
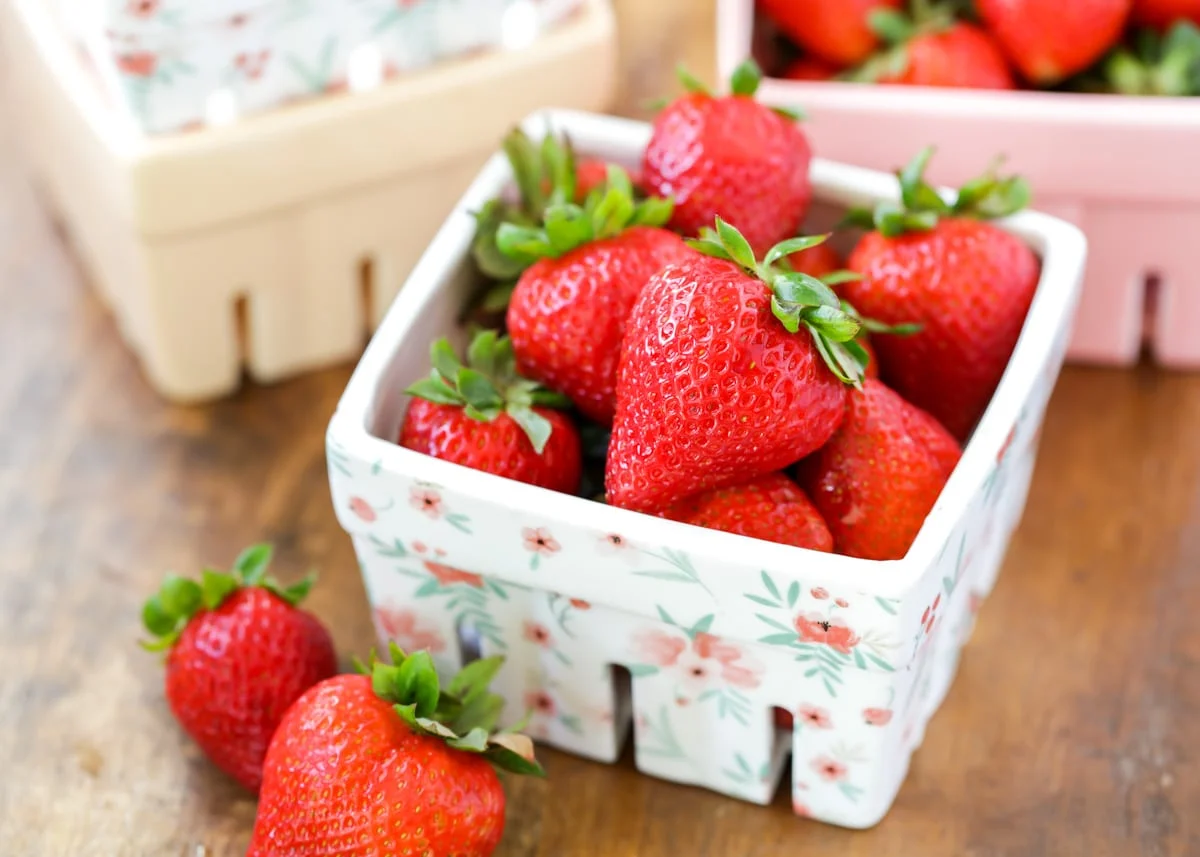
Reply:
x=715, y=630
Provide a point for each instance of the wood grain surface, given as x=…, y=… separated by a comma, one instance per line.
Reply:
x=1072, y=728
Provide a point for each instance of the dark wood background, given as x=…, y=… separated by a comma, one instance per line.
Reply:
x=1071, y=729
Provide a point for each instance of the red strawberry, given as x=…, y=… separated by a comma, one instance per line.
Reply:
x=879, y=476
x=967, y=283
x=487, y=417
x=810, y=68
x=718, y=384
x=1048, y=40
x=837, y=31
x=1161, y=14
x=934, y=49
x=818, y=261
x=730, y=157
x=390, y=764
x=771, y=508
x=566, y=316
x=239, y=652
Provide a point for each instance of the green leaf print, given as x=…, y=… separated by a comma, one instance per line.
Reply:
x=657, y=738
x=395, y=550
x=460, y=522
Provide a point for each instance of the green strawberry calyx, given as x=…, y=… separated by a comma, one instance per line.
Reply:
x=488, y=385
x=463, y=713
x=166, y=613
x=896, y=29
x=797, y=300
x=921, y=206
x=743, y=83
x=566, y=225
x=1157, y=64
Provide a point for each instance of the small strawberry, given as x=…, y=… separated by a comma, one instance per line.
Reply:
x=934, y=49
x=239, y=652
x=390, y=763
x=566, y=316
x=837, y=31
x=1048, y=40
x=487, y=417
x=809, y=68
x=878, y=477
x=1166, y=64
x=771, y=508
x=1162, y=14
x=967, y=283
x=731, y=369
x=730, y=157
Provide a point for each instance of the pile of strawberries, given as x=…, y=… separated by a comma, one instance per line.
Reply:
x=671, y=344
x=1131, y=47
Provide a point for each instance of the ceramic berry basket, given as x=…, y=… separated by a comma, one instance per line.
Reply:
x=715, y=629
x=1113, y=165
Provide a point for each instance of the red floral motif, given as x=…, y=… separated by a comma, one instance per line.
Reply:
x=363, y=509
x=812, y=715
x=801, y=809
x=929, y=617
x=833, y=632
x=426, y=500
x=420, y=547
x=1004, y=447
x=580, y=604
x=877, y=716
x=819, y=592
x=400, y=624
x=138, y=64
x=539, y=540
x=540, y=702
x=252, y=64
x=841, y=602
x=448, y=576
x=974, y=602
x=829, y=768
x=142, y=8
x=703, y=658
x=535, y=632
x=611, y=543
x=238, y=20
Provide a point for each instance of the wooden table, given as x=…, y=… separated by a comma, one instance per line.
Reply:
x=1072, y=727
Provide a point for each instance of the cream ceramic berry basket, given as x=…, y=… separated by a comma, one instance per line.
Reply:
x=1113, y=165
x=715, y=629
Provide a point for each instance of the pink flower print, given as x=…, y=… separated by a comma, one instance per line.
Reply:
x=252, y=65
x=974, y=602
x=238, y=20
x=363, y=509
x=929, y=617
x=420, y=547
x=877, y=716
x=801, y=809
x=138, y=64
x=830, y=769
x=538, y=540
x=612, y=543
x=819, y=592
x=580, y=604
x=448, y=576
x=400, y=624
x=833, y=632
x=542, y=703
x=659, y=648
x=426, y=500
x=142, y=8
x=841, y=602
x=812, y=715
x=705, y=659
x=736, y=668
x=535, y=632
x=1004, y=447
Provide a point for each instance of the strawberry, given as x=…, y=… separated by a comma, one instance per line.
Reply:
x=1048, y=40
x=1158, y=64
x=837, y=31
x=1161, y=14
x=932, y=48
x=715, y=387
x=967, y=283
x=390, y=763
x=879, y=476
x=730, y=157
x=487, y=417
x=771, y=508
x=239, y=652
x=817, y=261
x=566, y=316
x=809, y=68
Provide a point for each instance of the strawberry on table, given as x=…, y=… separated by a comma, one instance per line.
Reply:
x=390, y=763
x=966, y=282
x=771, y=508
x=730, y=157
x=1048, y=40
x=837, y=31
x=732, y=368
x=485, y=416
x=239, y=652
x=566, y=316
x=876, y=480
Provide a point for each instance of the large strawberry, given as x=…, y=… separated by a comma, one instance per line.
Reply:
x=731, y=369
x=566, y=316
x=1048, y=40
x=239, y=652
x=485, y=416
x=1161, y=14
x=732, y=158
x=771, y=508
x=390, y=763
x=967, y=283
x=838, y=31
x=877, y=479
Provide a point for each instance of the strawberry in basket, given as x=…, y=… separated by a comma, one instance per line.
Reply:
x=966, y=282
x=1161, y=14
x=837, y=31
x=1048, y=40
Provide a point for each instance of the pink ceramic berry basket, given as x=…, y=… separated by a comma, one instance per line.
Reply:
x=1121, y=168
x=715, y=630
